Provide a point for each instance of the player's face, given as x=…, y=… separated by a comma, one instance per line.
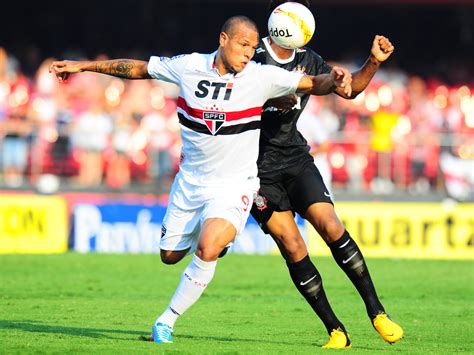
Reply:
x=239, y=48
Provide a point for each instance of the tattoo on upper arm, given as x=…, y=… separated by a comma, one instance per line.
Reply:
x=120, y=68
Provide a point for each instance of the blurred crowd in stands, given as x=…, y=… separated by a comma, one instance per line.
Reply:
x=404, y=133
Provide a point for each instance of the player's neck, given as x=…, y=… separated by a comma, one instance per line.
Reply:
x=220, y=65
x=282, y=53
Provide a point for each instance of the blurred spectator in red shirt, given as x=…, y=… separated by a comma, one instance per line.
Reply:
x=426, y=123
x=15, y=127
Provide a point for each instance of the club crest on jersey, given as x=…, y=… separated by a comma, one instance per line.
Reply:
x=214, y=120
x=300, y=69
x=261, y=202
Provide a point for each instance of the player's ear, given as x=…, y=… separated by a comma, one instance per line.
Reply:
x=223, y=38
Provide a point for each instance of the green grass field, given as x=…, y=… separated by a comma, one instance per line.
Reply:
x=106, y=303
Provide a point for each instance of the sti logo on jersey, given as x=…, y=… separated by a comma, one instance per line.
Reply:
x=205, y=86
x=214, y=120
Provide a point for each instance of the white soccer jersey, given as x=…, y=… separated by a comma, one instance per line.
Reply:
x=220, y=115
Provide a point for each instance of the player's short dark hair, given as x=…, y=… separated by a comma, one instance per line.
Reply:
x=275, y=3
x=230, y=25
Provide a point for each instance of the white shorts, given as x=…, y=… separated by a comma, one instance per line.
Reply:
x=190, y=205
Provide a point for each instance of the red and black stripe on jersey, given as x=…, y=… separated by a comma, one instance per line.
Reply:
x=225, y=130
x=235, y=128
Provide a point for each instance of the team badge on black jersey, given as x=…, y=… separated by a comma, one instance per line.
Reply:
x=300, y=69
x=261, y=202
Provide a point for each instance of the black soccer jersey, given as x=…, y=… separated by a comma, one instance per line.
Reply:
x=281, y=145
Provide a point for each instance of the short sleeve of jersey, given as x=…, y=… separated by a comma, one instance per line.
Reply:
x=322, y=66
x=277, y=81
x=168, y=69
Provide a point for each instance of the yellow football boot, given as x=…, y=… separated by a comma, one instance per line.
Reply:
x=390, y=331
x=338, y=340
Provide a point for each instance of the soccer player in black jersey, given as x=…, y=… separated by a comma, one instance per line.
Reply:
x=290, y=182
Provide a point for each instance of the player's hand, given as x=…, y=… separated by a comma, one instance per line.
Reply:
x=342, y=79
x=63, y=69
x=282, y=103
x=382, y=48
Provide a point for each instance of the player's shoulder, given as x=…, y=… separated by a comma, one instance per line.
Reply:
x=262, y=67
x=256, y=68
x=309, y=54
x=170, y=58
x=312, y=61
x=193, y=60
x=176, y=60
x=201, y=59
x=197, y=58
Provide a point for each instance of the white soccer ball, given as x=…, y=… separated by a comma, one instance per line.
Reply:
x=291, y=25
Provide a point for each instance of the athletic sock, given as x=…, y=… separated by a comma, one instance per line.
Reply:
x=194, y=281
x=307, y=280
x=350, y=259
x=168, y=317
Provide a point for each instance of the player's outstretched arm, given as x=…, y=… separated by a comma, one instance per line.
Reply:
x=381, y=50
x=324, y=84
x=122, y=68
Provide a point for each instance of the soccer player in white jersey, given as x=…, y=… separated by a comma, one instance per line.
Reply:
x=219, y=107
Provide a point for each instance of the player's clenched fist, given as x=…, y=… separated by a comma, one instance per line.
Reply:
x=342, y=78
x=382, y=48
x=64, y=68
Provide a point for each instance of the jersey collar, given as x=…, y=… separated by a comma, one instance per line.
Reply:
x=274, y=55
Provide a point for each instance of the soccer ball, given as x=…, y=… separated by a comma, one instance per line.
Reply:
x=291, y=25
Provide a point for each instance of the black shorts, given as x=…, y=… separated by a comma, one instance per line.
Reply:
x=293, y=189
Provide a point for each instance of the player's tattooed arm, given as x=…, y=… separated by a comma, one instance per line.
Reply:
x=122, y=68
x=381, y=50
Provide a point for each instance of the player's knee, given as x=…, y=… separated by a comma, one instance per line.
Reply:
x=208, y=252
x=324, y=219
x=331, y=230
x=293, y=245
x=169, y=258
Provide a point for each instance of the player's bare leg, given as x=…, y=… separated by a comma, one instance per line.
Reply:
x=350, y=259
x=305, y=276
x=286, y=234
x=216, y=233
x=323, y=218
